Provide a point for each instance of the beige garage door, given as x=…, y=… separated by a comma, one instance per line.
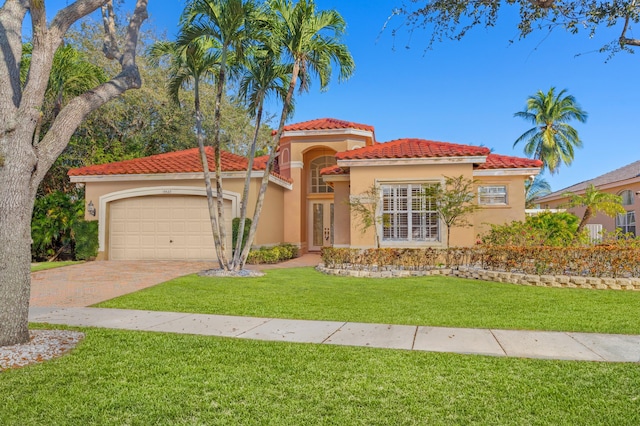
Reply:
x=162, y=227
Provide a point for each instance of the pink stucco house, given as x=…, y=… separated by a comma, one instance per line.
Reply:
x=155, y=207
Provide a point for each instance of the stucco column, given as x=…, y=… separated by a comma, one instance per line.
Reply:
x=294, y=211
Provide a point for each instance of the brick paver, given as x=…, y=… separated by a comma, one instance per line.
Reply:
x=92, y=282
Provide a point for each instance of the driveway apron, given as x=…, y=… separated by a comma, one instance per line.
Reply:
x=92, y=282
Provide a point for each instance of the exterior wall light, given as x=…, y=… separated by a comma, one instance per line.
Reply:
x=91, y=208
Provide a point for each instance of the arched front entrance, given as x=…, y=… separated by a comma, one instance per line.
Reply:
x=320, y=208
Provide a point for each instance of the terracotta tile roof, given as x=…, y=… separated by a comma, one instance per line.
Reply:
x=495, y=161
x=327, y=124
x=412, y=148
x=187, y=161
x=335, y=170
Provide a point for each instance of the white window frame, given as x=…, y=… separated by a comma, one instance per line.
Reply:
x=407, y=217
x=493, y=195
x=626, y=222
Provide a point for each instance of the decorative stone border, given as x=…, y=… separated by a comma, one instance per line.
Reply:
x=559, y=281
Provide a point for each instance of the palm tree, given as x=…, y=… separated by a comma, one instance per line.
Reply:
x=595, y=201
x=552, y=140
x=534, y=189
x=189, y=65
x=264, y=75
x=312, y=42
x=230, y=24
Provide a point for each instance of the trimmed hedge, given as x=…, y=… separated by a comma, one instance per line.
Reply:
x=597, y=261
x=273, y=254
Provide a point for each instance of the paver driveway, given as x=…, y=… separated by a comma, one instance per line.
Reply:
x=93, y=282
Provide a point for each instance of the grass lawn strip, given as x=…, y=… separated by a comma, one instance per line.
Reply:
x=35, y=267
x=131, y=377
x=303, y=293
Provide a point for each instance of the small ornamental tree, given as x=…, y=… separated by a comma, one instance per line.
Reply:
x=365, y=207
x=594, y=201
x=454, y=201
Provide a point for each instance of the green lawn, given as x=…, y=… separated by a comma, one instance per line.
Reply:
x=35, y=267
x=120, y=377
x=438, y=301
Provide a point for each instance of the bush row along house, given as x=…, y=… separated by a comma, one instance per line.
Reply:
x=155, y=207
x=624, y=182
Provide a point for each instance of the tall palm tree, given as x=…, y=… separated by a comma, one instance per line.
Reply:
x=189, y=65
x=312, y=42
x=533, y=189
x=264, y=75
x=595, y=201
x=230, y=23
x=552, y=140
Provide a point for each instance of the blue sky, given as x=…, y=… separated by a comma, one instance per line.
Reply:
x=467, y=91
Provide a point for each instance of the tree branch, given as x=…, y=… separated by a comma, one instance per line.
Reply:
x=110, y=45
x=12, y=14
x=70, y=14
x=70, y=117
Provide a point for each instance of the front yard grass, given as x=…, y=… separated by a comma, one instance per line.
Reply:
x=303, y=293
x=41, y=266
x=139, y=378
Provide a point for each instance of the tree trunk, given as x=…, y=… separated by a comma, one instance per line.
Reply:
x=207, y=176
x=240, y=256
x=16, y=206
x=25, y=161
x=217, y=120
x=265, y=178
x=588, y=213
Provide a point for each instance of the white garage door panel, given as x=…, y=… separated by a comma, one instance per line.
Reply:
x=163, y=227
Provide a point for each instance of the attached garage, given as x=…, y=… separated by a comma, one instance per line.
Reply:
x=162, y=227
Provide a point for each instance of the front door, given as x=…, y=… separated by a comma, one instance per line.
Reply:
x=320, y=224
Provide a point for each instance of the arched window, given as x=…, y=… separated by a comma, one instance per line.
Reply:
x=317, y=185
x=627, y=197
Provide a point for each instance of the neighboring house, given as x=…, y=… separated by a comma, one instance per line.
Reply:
x=155, y=207
x=624, y=181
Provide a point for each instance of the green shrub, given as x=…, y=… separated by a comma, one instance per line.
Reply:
x=235, y=225
x=53, y=218
x=85, y=235
x=273, y=254
x=545, y=229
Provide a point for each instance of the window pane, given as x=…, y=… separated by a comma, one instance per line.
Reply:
x=627, y=197
x=408, y=215
x=317, y=184
x=495, y=194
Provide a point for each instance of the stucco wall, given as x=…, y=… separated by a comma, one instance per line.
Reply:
x=342, y=229
x=363, y=178
x=500, y=215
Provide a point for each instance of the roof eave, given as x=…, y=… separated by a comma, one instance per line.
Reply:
x=508, y=171
x=174, y=176
x=411, y=161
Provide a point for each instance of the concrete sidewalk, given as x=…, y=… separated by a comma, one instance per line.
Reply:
x=510, y=343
